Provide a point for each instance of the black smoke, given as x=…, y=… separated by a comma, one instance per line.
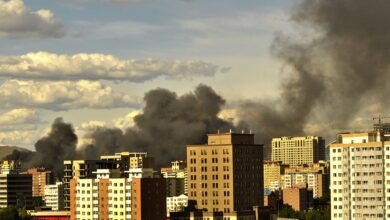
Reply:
x=51, y=150
x=338, y=68
x=167, y=124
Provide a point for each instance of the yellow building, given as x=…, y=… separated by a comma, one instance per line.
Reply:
x=272, y=174
x=298, y=150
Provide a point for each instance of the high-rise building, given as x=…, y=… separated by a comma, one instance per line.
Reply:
x=16, y=190
x=176, y=178
x=360, y=175
x=40, y=178
x=148, y=199
x=226, y=174
x=9, y=166
x=298, y=150
x=316, y=176
x=272, y=174
x=54, y=196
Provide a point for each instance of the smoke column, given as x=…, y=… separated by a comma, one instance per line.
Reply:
x=168, y=123
x=338, y=68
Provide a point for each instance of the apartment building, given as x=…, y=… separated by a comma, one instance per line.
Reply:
x=298, y=150
x=226, y=174
x=298, y=197
x=54, y=196
x=40, y=178
x=360, y=174
x=176, y=178
x=316, y=176
x=272, y=174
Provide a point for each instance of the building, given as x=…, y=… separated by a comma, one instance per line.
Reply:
x=176, y=203
x=50, y=215
x=298, y=150
x=54, y=196
x=106, y=197
x=272, y=174
x=40, y=177
x=148, y=199
x=226, y=174
x=176, y=178
x=316, y=176
x=298, y=197
x=271, y=199
x=9, y=166
x=118, y=165
x=16, y=190
x=360, y=174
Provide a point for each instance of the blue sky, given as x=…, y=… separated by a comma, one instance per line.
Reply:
x=222, y=43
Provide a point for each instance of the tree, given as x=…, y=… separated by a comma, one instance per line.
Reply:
x=13, y=213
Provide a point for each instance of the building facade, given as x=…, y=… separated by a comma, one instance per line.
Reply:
x=176, y=203
x=16, y=190
x=272, y=174
x=316, y=177
x=176, y=178
x=298, y=150
x=40, y=178
x=298, y=197
x=54, y=196
x=226, y=174
x=360, y=175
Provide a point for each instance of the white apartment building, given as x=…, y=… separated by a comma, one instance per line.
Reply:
x=295, y=151
x=314, y=180
x=176, y=203
x=104, y=197
x=360, y=176
x=54, y=196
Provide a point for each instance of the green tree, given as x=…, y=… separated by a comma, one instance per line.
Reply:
x=13, y=213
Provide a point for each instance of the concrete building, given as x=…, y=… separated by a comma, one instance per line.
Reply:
x=106, y=198
x=54, y=196
x=226, y=174
x=360, y=174
x=298, y=197
x=16, y=190
x=130, y=160
x=50, y=215
x=176, y=178
x=148, y=199
x=271, y=199
x=298, y=150
x=316, y=176
x=272, y=174
x=9, y=166
x=176, y=203
x=40, y=178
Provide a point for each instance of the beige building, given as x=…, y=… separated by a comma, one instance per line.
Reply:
x=316, y=176
x=54, y=196
x=298, y=150
x=272, y=174
x=226, y=174
x=360, y=175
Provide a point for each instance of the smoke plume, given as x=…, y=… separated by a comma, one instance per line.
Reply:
x=168, y=123
x=50, y=151
x=338, y=67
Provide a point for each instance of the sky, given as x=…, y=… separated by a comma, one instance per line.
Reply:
x=91, y=61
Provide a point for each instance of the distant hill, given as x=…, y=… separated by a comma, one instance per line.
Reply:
x=7, y=150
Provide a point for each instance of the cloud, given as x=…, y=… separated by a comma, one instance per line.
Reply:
x=16, y=20
x=19, y=116
x=50, y=66
x=62, y=95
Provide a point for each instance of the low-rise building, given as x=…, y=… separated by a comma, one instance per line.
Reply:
x=176, y=203
x=299, y=197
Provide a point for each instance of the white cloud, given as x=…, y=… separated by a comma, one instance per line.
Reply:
x=19, y=21
x=50, y=66
x=62, y=95
x=126, y=121
x=90, y=125
x=19, y=116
